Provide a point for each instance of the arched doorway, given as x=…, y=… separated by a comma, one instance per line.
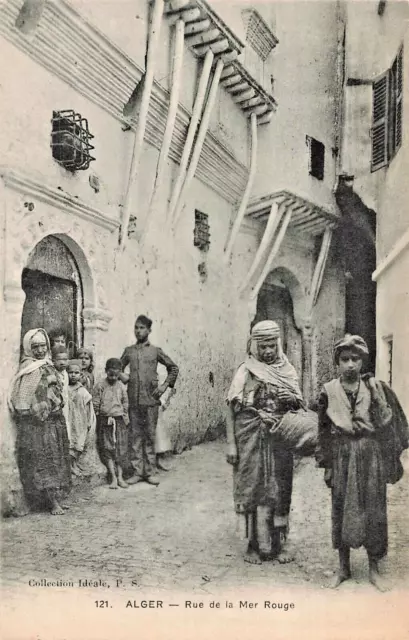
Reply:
x=274, y=302
x=53, y=288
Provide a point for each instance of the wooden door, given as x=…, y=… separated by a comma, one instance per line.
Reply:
x=50, y=303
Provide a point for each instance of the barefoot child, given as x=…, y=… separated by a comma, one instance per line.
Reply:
x=362, y=433
x=111, y=407
x=81, y=415
x=87, y=367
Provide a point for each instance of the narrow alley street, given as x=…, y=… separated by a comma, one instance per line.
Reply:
x=181, y=535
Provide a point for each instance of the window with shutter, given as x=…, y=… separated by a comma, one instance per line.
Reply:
x=399, y=92
x=387, y=114
x=380, y=122
x=260, y=41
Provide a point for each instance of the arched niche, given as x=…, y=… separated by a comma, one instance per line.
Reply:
x=53, y=284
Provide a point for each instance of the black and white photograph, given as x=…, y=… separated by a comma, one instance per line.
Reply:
x=204, y=343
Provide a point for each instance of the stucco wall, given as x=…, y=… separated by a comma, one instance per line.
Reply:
x=201, y=322
x=392, y=321
x=372, y=43
x=304, y=67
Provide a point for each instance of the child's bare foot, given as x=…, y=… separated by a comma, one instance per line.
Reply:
x=251, y=556
x=135, y=479
x=162, y=465
x=284, y=557
x=114, y=484
x=341, y=577
x=378, y=581
x=123, y=484
x=56, y=509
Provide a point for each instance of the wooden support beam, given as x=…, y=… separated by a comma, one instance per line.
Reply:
x=197, y=27
x=275, y=215
x=265, y=119
x=274, y=250
x=228, y=72
x=241, y=97
x=203, y=38
x=231, y=80
x=320, y=267
x=246, y=195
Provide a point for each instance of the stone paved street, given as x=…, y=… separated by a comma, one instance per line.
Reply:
x=181, y=535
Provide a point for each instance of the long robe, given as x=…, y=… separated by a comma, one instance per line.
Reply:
x=42, y=440
x=361, y=437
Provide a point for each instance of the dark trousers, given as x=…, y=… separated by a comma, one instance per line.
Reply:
x=143, y=421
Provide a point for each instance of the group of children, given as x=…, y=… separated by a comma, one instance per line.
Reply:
x=122, y=421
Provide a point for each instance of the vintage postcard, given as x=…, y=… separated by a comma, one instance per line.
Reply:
x=204, y=328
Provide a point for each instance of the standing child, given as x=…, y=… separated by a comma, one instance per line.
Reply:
x=111, y=407
x=144, y=393
x=81, y=415
x=87, y=367
x=60, y=362
x=362, y=433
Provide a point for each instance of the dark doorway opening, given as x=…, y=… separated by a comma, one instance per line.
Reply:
x=357, y=242
x=275, y=303
x=52, y=285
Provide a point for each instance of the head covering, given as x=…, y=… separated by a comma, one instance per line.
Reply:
x=280, y=373
x=145, y=321
x=353, y=342
x=28, y=340
x=25, y=382
x=265, y=330
x=74, y=363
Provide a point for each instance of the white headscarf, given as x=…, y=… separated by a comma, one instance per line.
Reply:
x=23, y=387
x=280, y=374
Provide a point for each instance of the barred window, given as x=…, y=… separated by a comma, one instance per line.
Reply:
x=387, y=114
x=201, y=236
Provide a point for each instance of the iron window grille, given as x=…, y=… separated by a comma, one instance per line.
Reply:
x=70, y=140
x=201, y=238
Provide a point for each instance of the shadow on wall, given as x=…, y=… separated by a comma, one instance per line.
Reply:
x=357, y=236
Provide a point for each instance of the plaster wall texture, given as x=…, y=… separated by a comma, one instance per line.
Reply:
x=304, y=68
x=372, y=44
x=199, y=318
x=392, y=322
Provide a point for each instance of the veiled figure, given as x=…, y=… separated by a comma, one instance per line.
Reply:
x=36, y=403
x=264, y=388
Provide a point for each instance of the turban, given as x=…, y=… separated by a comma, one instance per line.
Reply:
x=265, y=330
x=75, y=363
x=355, y=343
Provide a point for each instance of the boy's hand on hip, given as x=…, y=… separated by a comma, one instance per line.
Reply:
x=159, y=391
x=328, y=478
